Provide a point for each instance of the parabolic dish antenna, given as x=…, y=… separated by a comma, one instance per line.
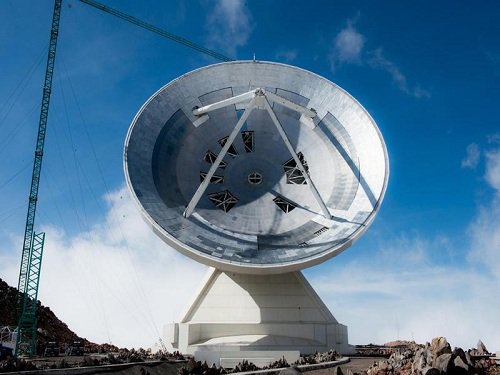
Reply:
x=256, y=167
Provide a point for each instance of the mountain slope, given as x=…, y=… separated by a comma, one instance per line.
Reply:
x=50, y=327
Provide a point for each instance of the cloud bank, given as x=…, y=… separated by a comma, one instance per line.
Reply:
x=114, y=283
x=119, y=283
x=485, y=229
x=419, y=288
x=399, y=296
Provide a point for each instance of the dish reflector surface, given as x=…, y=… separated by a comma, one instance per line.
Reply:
x=258, y=213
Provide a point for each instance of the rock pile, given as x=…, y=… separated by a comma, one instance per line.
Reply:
x=480, y=350
x=90, y=347
x=436, y=358
x=329, y=356
x=372, y=350
x=198, y=368
x=141, y=355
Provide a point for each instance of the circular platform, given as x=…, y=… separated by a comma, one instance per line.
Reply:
x=258, y=213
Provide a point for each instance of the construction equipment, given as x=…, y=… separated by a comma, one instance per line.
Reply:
x=31, y=258
x=76, y=348
x=5, y=352
x=52, y=349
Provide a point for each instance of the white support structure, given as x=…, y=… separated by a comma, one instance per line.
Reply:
x=258, y=98
x=203, y=186
x=291, y=105
x=289, y=146
x=224, y=103
x=242, y=316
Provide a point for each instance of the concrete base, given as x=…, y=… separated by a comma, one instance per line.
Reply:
x=251, y=315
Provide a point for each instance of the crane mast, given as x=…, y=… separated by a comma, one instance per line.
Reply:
x=31, y=258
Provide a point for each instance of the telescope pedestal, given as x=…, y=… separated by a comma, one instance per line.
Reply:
x=260, y=318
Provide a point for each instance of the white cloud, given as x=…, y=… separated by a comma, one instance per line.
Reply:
x=493, y=169
x=485, y=238
x=494, y=138
x=229, y=25
x=379, y=61
x=347, y=47
x=410, y=298
x=471, y=160
x=116, y=282
x=287, y=56
x=485, y=229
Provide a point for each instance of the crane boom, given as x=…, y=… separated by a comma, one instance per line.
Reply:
x=29, y=272
x=157, y=30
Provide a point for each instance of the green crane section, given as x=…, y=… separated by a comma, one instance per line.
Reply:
x=31, y=258
x=27, y=326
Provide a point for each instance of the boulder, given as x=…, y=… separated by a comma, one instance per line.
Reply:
x=439, y=346
x=397, y=360
x=481, y=349
x=460, y=367
x=421, y=360
x=418, y=362
x=459, y=352
x=430, y=371
x=444, y=363
x=468, y=359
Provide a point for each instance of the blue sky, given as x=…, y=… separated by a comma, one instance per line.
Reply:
x=428, y=73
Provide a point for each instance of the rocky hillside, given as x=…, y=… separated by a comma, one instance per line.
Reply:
x=7, y=304
x=50, y=327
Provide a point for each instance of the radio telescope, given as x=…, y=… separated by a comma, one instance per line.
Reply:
x=258, y=170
